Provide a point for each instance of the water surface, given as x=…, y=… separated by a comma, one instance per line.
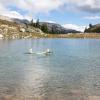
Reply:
x=72, y=72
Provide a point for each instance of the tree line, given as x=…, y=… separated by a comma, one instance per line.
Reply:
x=92, y=29
x=36, y=24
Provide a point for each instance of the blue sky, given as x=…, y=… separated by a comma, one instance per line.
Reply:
x=74, y=14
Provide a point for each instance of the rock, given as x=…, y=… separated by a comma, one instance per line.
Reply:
x=22, y=30
x=1, y=36
x=5, y=31
x=38, y=30
x=70, y=33
x=5, y=18
x=30, y=30
x=45, y=35
x=1, y=31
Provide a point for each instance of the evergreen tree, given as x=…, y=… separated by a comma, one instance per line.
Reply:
x=44, y=28
x=53, y=30
x=37, y=23
x=90, y=25
x=85, y=29
x=32, y=23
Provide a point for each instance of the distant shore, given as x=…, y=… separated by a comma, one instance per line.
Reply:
x=69, y=35
x=13, y=30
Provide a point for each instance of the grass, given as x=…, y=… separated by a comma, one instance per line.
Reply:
x=85, y=35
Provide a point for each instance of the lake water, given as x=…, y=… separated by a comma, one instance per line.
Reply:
x=72, y=72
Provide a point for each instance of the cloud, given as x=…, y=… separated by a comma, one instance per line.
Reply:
x=49, y=5
x=92, y=6
x=92, y=17
x=74, y=26
x=49, y=21
x=33, y=7
x=89, y=6
x=14, y=14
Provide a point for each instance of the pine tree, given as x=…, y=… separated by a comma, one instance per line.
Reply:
x=44, y=28
x=90, y=25
x=85, y=29
x=37, y=23
x=32, y=23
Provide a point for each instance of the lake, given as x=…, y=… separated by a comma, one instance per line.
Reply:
x=71, y=72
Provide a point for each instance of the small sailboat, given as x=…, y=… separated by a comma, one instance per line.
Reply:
x=45, y=52
x=48, y=51
x=30, y=51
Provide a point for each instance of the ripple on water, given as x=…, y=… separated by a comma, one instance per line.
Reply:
x=72, y=72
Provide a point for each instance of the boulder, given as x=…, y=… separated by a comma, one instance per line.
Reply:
x=1, y=36
x=30, y=30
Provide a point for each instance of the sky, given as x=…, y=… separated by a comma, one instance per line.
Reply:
x=74, y=14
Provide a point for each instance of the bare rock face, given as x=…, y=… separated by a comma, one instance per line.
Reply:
x=58, y=29
x=5, y=18
x=38, y=30
x=16, y=28
x=12, y=28
x=30, y=30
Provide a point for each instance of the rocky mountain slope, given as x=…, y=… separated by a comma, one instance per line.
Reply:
x=52, y=27
x=57, y=29
x=11, y=28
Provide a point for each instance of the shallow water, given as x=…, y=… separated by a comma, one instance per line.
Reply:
x=72, y=72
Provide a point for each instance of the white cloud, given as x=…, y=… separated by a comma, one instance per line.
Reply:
x=31, y=6
x=37, y=6
x=49, y=21
x=45, y=6
x=92, y=6
x=75, y=27
x=14, y=14
x=34, y=6
x=92, y=17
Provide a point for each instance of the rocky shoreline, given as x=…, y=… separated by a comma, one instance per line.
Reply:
x=13, y=30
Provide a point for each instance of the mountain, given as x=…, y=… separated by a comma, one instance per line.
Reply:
x=5, y=18
x=93, y=28
x=52, y=27
x=11, y=28
x=56, y=28
x=19, y=21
